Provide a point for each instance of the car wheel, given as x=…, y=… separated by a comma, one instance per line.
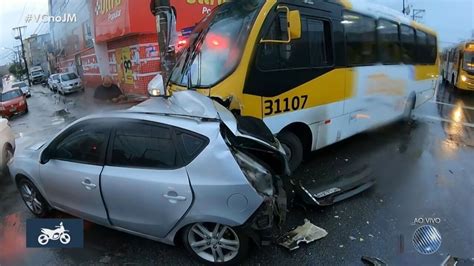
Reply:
x=7, y=154
x=214, y=243
x=293, y=149
x=33, y=198
x=409, y=107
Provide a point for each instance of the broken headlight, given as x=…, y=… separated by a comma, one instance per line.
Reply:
x=260, y=178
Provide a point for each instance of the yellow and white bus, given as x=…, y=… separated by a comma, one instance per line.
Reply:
x=316, y=72
x=458, y=66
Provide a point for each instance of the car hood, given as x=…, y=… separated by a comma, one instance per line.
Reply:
x=183, y=103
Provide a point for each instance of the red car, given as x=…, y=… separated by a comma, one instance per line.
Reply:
x=13, y=102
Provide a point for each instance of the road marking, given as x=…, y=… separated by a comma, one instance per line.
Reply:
x=447, y=120
x=453, y=105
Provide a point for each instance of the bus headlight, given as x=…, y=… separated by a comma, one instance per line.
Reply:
x=463, y=78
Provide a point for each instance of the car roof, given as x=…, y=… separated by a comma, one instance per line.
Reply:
x=10, y=89
x=197, y=113
x=185, y=103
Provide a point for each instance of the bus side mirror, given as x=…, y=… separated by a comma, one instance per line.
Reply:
x=293, y=19
x=294, y=24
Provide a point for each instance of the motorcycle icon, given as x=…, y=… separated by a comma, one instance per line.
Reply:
x=59, y=233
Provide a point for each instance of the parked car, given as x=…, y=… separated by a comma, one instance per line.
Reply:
x=37, y=75
x=170, y=168
x=13, y=102
x=23, y=87
x=53, y=82
x=69, y=83
x=7, y=143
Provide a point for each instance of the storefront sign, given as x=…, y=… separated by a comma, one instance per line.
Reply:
x=190, y=12
x=111, y=19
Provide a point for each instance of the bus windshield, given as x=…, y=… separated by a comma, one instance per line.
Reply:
x=469, y=61
x=216, y=45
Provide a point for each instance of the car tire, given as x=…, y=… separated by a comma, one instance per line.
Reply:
x=293, y=148
x=409, y=107
x=229, y=245
x=33, y=199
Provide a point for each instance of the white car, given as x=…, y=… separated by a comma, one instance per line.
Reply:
x=24, y=88
x=53, y=82
x=7, y=142
x=69, y=83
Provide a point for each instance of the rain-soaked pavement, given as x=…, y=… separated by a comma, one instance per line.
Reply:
x=423, y=170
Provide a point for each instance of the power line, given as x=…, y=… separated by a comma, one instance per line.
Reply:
x=23, y=12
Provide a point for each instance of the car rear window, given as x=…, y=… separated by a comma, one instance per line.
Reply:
x=11, y=95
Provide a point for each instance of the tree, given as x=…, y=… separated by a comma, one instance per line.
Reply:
x=17, y=70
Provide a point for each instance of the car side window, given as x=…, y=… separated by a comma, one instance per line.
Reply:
x=84, y=144
x=191, y=144
x=144, y=145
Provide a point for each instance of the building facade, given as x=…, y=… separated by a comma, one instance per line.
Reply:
x=116, y=38
x=36, y=51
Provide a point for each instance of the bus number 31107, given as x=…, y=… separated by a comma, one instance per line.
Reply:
x=278, y=106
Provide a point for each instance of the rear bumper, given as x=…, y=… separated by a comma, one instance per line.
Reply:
x=271, y=213
x=9, y=112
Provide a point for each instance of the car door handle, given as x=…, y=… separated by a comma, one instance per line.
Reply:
x=88, y=184
x=178, y=198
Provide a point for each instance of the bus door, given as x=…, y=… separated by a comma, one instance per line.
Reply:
x=298, y=81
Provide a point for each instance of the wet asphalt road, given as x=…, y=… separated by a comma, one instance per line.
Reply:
x=423, y=170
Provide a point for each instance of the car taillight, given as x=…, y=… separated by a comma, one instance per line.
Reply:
x=22, y=103
x=260, y=178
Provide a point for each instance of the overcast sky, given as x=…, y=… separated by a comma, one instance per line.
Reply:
x=452, y=19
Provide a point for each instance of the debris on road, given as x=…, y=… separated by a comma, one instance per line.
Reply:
x=307, y=233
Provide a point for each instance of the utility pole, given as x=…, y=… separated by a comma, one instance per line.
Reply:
x=403, y=9
x=418, y=13
x=18, y=53
x=20, y=37
x=165, y=17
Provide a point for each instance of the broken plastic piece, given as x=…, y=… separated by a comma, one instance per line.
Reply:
x=373, y=261
x=307, y=233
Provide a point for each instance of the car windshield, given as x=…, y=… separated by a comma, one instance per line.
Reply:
x=19, y=85
x=11, y=95
x=37, y=73
x=56, y=77
x=469, y=61
x=216, y=45
x=69, y=76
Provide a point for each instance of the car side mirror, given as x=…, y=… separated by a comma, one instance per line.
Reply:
x=45, y=156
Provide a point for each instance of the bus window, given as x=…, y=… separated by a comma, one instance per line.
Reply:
x=468, y=64
x=389, y=44
x=360, y=39
x=313, y=49
x=407, y=36
x=421, y=47
x=432, y=49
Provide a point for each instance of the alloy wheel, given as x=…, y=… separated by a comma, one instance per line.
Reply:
x=30, y=196
x=214, y=242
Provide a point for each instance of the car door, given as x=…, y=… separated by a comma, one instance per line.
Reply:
x=144, y=183
x=71, y=176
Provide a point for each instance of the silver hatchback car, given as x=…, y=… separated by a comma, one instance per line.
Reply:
x=169, y=168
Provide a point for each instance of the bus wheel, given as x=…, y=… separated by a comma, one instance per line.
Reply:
x=293, y=148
